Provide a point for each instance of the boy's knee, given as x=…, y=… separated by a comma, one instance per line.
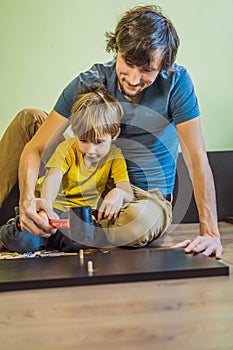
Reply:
x=19, y=241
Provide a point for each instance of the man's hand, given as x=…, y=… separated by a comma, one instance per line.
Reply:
x=111, y=204
x=205, y=244
x=35, y=215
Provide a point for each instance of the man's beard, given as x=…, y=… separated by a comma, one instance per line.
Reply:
x=137, y=93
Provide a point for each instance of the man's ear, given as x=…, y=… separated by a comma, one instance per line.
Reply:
x=118, y=133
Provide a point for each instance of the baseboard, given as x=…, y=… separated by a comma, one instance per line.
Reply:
x=184, y=207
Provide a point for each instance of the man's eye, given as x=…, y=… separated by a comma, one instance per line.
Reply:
x=129, y=64
x=83, y=141
x=147, y=69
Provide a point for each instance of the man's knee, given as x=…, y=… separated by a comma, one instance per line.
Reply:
x=139, y=224
x=159, y=227
x=142, y=240
x=30, y=120
x=140, y=216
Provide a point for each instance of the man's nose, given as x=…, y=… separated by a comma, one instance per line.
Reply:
x=134, y=76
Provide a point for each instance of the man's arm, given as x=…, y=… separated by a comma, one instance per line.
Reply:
x=194, y=153
x=28, y=174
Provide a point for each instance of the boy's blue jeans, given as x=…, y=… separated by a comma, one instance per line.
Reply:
x=22, y=241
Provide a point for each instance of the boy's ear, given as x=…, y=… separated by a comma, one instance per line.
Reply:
x=116, y=136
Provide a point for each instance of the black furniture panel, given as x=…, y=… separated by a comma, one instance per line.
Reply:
x=110, y=267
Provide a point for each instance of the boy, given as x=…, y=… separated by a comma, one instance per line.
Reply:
x=79, y=170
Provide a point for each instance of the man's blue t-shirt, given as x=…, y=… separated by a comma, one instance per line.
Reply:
x=148, y=136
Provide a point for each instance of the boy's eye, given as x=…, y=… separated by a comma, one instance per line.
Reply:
x=99, y=141
x=83, y=140
x=95, y=142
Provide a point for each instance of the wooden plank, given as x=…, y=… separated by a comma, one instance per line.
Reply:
x=193, y=313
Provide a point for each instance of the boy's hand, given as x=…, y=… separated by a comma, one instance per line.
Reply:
x=111, y=205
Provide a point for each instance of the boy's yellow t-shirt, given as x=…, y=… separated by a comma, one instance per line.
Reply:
x=80, y=185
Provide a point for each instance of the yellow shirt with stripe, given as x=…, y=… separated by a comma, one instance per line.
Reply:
x=80, y=185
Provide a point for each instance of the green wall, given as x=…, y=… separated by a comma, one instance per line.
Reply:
x=45, y=43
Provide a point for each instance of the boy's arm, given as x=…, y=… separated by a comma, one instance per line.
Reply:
x=121, y=193
x=114, y=200
x=51, y=185
x=127, y=191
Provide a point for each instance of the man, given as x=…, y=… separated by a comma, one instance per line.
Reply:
x=160, y=104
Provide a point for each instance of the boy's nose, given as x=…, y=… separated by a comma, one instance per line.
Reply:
x=91, y=148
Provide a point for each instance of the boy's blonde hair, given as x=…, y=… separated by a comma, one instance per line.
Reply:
x=95, y=113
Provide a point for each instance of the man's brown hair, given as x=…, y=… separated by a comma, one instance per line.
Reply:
x=143, y=32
